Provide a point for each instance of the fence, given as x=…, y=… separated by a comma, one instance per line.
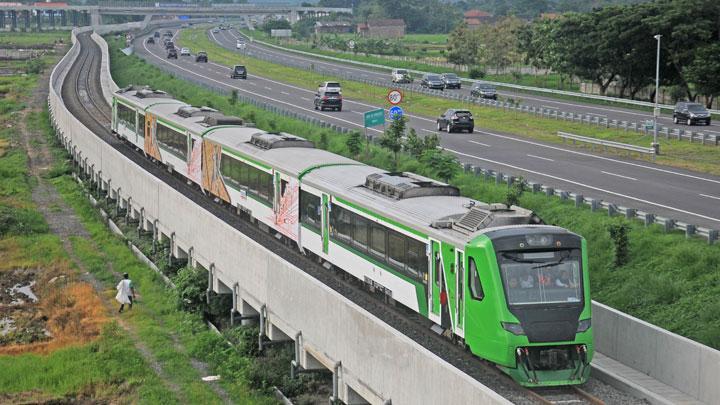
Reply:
x=608, y=144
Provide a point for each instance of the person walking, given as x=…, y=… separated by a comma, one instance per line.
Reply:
x=126, y=292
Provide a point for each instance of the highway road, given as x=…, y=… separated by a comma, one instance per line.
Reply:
x=679, y=194
x=229, y=38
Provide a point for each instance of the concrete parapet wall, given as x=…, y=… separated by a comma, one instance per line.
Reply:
x=376, y=361
x=669, y=358
x=108, y=84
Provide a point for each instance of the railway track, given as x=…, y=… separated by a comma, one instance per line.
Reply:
x=564, y=395
x=82, y=94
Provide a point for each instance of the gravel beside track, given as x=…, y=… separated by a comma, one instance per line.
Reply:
x=82, y=95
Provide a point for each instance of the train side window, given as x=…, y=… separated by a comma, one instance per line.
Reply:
x=396, y=249
x=310, y=210
x=126, y=116
x=141, y=125
x=476, y=290
x=361, y=233
x=378, y=240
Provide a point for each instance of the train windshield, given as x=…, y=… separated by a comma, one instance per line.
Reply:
x=546, y=277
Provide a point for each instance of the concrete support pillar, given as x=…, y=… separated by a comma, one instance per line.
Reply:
x=276, y=335
x=85, y=18
x=95, y=19
x=13, y=20
x=26, y=15
x=38, y=19
x=51, y=16
x=74, y=17
x=2, y=19
x=211, y=277
x=248, y=311
x=63, y=18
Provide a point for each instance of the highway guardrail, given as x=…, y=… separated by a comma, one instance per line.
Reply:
x=607, y=144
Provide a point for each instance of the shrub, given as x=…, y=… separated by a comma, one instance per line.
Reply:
x=619, y=236
x=514, y=192
x=476, y=73
x=21, y=221
x=191, y=284
x=354, y=142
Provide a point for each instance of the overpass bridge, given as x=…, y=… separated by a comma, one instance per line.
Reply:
x=72, y=15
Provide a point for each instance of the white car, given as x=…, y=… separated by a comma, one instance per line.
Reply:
x=185, y=52
x=329, y=86
x=240, y=45
x=401, y=76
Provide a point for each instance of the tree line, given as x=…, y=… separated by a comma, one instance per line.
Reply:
x=617, y=45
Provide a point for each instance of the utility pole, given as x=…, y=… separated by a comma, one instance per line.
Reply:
x=656, y=110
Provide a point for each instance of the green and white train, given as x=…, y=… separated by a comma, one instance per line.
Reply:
x=514, y=290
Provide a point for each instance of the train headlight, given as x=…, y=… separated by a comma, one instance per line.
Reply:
x=583, y=325
x=514, y=328
x=539, y=240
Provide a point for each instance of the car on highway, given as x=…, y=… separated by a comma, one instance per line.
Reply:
x=201, y=57
x=169, y=44
x=401, y=76
x=172, y=53
x=691, y=113
x=215, y=31
x=432, y=81
x=185, y=52
x=239, y=72
x=150, y=40
x=240, y=44
x=483, y=90
x=451, y=80
x=328, y=99
x=157, y=34
x=452, y=120
x=168, y=33
x=329, y=86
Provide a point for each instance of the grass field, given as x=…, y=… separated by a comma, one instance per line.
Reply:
x=23, y=38
x=681, y=154
x=669, y=281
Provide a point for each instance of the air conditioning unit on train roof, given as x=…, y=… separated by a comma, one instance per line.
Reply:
x=188, y=111
x=407, y=185
x=275, y=140
x=149, y=93
x=213, y=119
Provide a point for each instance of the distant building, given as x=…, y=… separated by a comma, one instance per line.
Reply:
x=333, y=27
x=382, y=28
x=475, y=18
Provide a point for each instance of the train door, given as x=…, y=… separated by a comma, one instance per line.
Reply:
x=325, y=222
x=460, y=292
x=435, y=281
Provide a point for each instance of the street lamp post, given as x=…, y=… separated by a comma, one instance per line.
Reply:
x=656, y=110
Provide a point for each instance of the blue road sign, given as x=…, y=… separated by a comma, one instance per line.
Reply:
x=395, y=113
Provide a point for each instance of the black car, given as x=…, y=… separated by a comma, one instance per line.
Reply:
x=328, y=99
x=239, y=72
x=168, y=34
x=157, y=34
x=169, y=45
x=201, y=57
x=451, y=80
x=691, y=113
x=432, y=82
x=172, y=53
x=453, y=120
x=150, y=40
x=483, y=90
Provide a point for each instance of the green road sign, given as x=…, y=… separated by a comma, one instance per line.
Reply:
x=374, y=118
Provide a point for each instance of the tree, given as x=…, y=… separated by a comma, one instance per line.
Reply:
x=392, y=138
x=275, y=25
x=514, y=192
x=444, y=164
x=462, y=47
x=414, y=144
x=704, y=72
x=354, y=142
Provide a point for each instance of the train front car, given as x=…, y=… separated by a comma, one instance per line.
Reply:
x=529, y=304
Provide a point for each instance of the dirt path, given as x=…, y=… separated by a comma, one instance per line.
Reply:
x=63, y=222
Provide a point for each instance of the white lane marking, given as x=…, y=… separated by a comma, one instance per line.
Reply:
x=267, y=88
x=427, y=130
x=285, y=93
x=657, y=169
x=252, y=84
x=479, y=143
x=358, y=112
x=710, y=196
x=257, y=94
x=585, y=185
x=305, y=98
x=618, y=175
x=540, y=157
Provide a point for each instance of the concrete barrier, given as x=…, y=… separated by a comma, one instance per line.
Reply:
x=377, y=362
x=669, y=358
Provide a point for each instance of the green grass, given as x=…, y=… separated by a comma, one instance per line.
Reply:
x=23, y=38
x=681, y=154
x=669, y=281
x=110, y=367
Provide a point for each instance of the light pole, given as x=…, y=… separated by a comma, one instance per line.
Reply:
x=656, y=110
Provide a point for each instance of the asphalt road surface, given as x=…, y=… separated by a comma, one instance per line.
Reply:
x=674, y=193
x=229, y=38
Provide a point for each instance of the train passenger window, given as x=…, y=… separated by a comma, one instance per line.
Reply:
x=476, y=290
x=126, y=116
x=283, y=186
x=310, y=210
x=173, y=141
x=417, y=261
x=396, y=249
x=378, y=240
x=341, y=221
x=361, y=233
x=141, y=125
x=238, y=174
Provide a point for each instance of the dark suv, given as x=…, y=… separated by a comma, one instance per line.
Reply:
x=169, y=45
x=150, y=40
x=483, y=90
x=453, y=120
x=328, y=99
x=172, y=53
x=201, y=57
x=432, y=82
x=451, y=80
x=691, y=113
x=239, y=72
